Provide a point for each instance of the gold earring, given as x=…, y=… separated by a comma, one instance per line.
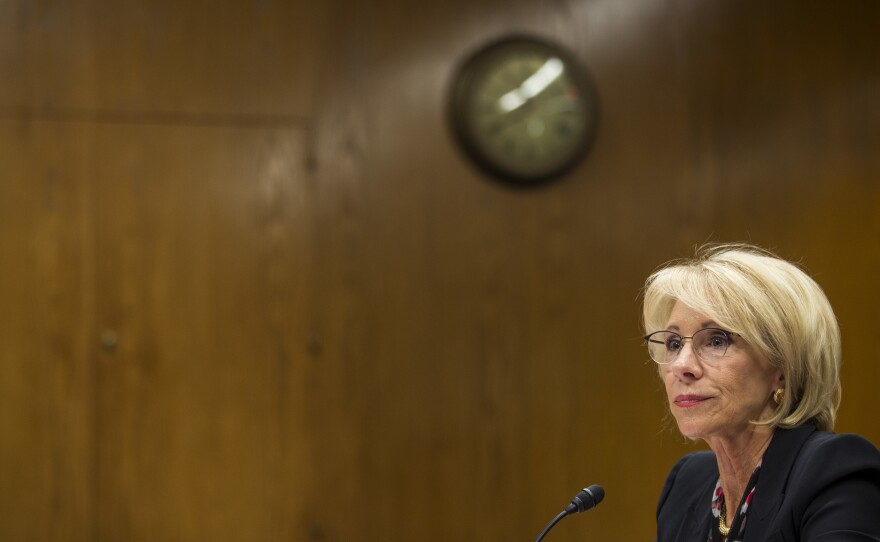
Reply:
x=778, y=395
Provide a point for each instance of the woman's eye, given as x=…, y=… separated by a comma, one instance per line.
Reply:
x=673, y=345
x=718, y=341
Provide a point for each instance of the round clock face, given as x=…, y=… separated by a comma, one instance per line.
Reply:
x=523, y=110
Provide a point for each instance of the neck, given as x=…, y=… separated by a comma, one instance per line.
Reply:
x=737, y=458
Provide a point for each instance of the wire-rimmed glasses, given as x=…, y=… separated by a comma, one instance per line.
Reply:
x=710, y=344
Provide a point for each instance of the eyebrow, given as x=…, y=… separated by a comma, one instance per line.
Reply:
x=707, y=323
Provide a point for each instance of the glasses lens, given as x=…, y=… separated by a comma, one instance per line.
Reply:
x=663, y=346
x=711, y=344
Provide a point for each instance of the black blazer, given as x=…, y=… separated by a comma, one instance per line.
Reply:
x=813, y=486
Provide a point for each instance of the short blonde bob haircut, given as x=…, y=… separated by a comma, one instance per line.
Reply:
x=779, y=310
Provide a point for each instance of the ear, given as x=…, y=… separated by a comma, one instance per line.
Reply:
x=779, y=379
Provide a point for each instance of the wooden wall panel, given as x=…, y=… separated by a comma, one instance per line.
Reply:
x=226, y=61
x=319, y=322
x=202, y=238
x=46, y=55
x=46, y=324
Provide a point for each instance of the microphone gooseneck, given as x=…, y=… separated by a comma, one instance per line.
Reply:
x=585, y=499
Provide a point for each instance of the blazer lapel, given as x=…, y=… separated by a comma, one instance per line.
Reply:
x=695, y=524
x=701, y=522
x=775, y=470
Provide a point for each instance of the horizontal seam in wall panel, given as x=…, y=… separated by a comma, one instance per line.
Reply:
x=155, y=117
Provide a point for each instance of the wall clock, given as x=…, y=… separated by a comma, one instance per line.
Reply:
x=523, y=110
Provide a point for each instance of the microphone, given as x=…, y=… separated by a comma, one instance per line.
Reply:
x=585, y=499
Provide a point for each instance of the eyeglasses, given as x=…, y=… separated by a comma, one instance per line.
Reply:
x=709, y=343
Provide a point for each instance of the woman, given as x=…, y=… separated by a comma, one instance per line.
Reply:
x=749, y=352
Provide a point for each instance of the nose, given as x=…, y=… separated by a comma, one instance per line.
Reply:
x=687, y=365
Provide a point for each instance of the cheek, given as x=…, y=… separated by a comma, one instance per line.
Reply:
x=668, y=380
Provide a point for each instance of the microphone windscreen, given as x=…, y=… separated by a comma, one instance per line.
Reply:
x=586, y=499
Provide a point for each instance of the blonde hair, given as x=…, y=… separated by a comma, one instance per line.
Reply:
x=776, y=307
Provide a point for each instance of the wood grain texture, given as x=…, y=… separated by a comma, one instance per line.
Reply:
x=46, y=317
x=233, y=60
x=253, y=291
x=202, y=237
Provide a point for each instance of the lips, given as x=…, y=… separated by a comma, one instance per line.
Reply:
x=689, y=400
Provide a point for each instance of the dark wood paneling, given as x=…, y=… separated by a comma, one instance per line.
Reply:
x=226, y=61
x=322, y=323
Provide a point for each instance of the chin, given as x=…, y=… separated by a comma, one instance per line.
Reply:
x=690, y=429
x=689, y=433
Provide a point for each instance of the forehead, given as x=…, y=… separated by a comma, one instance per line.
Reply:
x=685, y=317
